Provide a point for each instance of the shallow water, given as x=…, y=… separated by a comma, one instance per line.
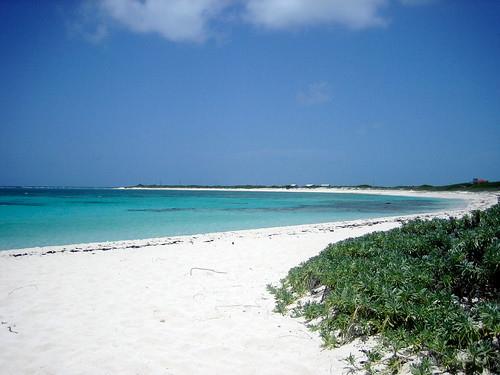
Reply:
x=39, y=217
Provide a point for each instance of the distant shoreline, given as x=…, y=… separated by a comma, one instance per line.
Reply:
x=493, y=186
x=342, y=190
x=462, y=186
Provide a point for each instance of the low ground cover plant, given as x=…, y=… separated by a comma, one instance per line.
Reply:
x=429, y=289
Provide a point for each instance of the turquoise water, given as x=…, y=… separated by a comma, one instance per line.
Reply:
x=41, y=217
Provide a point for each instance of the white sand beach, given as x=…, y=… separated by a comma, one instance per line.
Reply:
x=177, y=305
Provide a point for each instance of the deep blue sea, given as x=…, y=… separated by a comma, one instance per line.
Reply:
x=45, y=216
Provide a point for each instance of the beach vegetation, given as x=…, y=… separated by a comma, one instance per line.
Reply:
x=427, y=290
x=463, y=186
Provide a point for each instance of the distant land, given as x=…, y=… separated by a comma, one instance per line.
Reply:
x=463, y=186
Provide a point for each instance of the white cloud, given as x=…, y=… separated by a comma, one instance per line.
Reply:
x=315, y=93
x=175, y=20
x=283, y=14
x=99, y=33
x=193, y=20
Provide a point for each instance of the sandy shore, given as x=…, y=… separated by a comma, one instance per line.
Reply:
x=346, y=190
x=176, y=305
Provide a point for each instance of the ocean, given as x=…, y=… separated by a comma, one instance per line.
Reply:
x=32, y=217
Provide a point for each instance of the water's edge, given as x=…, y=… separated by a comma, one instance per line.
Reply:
x=474, y=201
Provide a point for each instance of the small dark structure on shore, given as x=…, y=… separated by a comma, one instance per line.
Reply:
x=477, y=180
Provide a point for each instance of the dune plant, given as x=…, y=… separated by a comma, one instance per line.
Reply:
x=428, y=288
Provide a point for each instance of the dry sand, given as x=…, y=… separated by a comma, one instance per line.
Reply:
x=177, y=305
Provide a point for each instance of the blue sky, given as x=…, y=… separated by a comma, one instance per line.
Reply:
x=249, y=92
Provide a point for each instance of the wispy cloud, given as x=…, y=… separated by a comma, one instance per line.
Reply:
x=315, y=93
x=194, y=20
x=416, y=2
x=367, y=129
x=88, y=23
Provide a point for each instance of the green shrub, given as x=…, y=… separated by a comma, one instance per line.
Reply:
x=427, y=287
